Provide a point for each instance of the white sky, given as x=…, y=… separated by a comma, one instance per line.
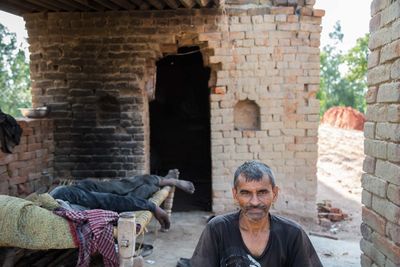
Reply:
x=354, y=16
x=15, y=24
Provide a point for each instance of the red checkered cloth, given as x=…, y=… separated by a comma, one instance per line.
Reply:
x=92, y=231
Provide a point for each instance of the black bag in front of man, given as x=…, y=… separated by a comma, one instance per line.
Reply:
x=10, y=132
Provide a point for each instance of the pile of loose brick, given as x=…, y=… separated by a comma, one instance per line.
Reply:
x=327, y=212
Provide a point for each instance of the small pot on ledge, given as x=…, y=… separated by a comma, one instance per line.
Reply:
x=34, y=113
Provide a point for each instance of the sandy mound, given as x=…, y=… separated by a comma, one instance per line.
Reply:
x=345, y=118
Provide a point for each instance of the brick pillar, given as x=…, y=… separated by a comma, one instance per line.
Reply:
x=381, y=179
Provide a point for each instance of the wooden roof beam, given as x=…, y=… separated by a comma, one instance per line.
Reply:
x=23, y=4
x=18, y=7
x=75, y=5
x=172, y=4
x=61, y=6
x=188, y=3
x=217, y=2
x=141, y=4
x=108, y=4
x=203, y=3
x=157, y=4
x=12, y=9
x=91, y=4
x=124, y=4
x=42, y=4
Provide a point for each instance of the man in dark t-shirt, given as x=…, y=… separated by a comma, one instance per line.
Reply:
x=252, y=237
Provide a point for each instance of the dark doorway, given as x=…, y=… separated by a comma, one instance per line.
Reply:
x=180, y=125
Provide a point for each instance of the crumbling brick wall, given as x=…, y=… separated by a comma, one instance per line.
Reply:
x=381, y=181
x=267, y=56
x=30, y=165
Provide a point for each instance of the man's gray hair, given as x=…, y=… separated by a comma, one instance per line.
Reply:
x=254, y=171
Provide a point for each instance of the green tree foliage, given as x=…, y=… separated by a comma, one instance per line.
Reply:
x=343, y=75
x=15, y=83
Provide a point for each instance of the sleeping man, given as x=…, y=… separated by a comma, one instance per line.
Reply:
x=128, y=194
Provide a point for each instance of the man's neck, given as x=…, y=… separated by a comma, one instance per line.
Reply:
x=253, y=226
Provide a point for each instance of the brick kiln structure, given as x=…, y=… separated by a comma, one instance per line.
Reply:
x=381, y=181
x=98, y=71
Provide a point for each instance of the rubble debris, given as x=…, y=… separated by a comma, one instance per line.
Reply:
x=326, y=211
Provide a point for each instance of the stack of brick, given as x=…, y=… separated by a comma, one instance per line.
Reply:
x=381, y=181
x=327, y=212
x=21, y=172
x=96, y=70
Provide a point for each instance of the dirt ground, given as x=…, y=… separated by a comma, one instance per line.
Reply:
x=339, y=181
x=340, y=160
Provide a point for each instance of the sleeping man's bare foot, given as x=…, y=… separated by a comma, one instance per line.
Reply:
x=171, y=179
x=186, y=186
x=174, y=173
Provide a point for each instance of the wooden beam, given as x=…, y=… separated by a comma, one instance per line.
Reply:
x=141, y=4
x=217, y=2
x=90, y=4
x=12, y=9
x=172, y=4
x=156, y=3
x=24, y=4
x=203, y=3
x=188, y=3
x=109, y=5
x=61, y=6
x=125, y=4
x=17, y=7
x=44, y=6
x=75, y=5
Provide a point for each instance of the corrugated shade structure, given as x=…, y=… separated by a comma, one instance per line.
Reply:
x=20, y=7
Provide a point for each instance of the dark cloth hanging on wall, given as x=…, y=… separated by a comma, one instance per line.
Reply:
x=10, y=132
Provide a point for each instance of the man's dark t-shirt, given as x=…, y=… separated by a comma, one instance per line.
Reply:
x=221, y=245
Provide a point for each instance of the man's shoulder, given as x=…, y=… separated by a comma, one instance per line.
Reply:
x=283, y=223
x=224, y=219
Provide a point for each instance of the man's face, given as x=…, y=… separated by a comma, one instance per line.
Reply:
x=255, y=197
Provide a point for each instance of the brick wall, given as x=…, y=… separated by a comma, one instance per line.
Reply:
x=21, y=171
x=381, y=181
x=268, y=55
x=273, y=60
